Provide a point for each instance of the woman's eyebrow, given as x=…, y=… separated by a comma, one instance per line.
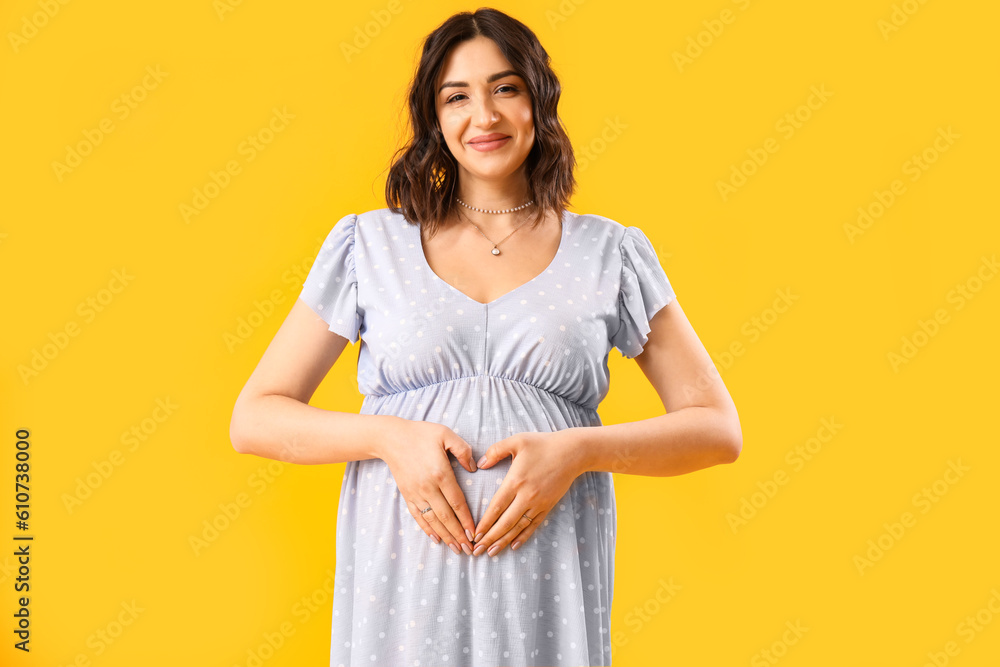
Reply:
x=490, y=79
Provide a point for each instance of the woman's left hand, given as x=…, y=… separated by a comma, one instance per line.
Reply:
x=544, y=466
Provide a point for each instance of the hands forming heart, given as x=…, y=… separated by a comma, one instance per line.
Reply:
x=544, y=467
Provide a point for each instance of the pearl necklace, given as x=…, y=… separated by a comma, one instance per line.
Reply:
x=496, y=249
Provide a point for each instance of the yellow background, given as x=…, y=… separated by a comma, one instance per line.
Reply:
x=682, y=128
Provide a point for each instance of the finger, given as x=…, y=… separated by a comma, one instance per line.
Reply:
x=460, y=508
x=500, y=449
x=462, y=451
x=510, y=525
x=499, y=503
x=445, y=520
x=439, y=529
x=507, y=538
x=426, y=527
x=525, y=534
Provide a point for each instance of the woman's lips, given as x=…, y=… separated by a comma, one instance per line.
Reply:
x=489, y=145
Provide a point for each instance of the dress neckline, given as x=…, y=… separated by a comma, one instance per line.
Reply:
x=426, y=265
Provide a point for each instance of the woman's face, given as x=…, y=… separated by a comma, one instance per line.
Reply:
x=472, y=101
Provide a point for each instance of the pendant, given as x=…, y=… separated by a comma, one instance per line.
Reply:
x=496, y=250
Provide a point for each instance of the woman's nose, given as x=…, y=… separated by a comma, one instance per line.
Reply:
x=486, y=113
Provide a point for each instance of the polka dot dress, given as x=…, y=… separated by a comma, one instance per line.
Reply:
x=533, y=359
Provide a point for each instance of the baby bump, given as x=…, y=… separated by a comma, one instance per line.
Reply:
x=369, y=485
x=479, y=487
x=589, y=499
x=584, y=518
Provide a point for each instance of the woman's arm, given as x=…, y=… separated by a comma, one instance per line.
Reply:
x=272, y=417
x=701, y=427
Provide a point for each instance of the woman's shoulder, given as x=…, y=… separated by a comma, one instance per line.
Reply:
x=598, y=219
x=378, y=223
x=601, y=224
x=379, y=231
x=352, y=218
x=367, y=223
x=377, y=213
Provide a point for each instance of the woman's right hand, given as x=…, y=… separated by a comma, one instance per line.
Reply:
x=417, y=455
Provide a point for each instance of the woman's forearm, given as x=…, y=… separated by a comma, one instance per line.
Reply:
x=676, y=443
x=285, y=429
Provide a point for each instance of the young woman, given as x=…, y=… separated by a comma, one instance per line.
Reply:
x=477, y=516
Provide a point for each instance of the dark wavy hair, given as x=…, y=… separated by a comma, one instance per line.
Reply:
x=422, y=181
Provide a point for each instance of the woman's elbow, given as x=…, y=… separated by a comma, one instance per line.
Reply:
x=733, y=441
x=235, y=437
x=735, y=447
x=238, y=429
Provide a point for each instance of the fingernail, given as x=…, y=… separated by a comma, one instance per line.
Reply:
x=514, y=546
x=466, y=549
x=481, y=461
x=479, y=549
x=468, y=533
x=454, y=548
x=493, y=549
x=478, y=537
x=437, y=540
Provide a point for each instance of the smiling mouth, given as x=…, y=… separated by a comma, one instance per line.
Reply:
x=489, y=145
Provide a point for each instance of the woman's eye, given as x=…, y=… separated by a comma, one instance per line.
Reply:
x=458, y=96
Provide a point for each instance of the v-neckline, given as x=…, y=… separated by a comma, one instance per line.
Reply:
x=427, y=266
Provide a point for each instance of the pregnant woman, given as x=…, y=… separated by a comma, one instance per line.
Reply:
x=477, y=516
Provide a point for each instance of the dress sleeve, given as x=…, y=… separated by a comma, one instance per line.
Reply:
x=644, y=290
x=331, y=288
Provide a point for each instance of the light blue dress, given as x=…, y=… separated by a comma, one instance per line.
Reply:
x=534, y=359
